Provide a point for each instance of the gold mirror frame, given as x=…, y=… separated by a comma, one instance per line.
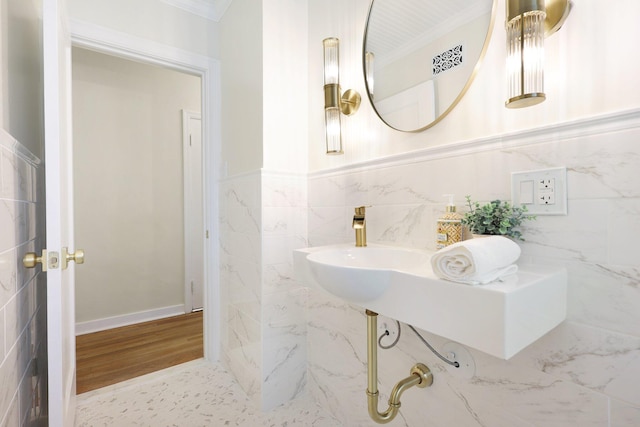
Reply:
x=456, y=99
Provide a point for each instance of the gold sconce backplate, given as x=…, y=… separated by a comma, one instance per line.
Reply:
x=557, y=13
x=350, y=102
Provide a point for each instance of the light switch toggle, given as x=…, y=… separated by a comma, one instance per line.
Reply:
x=526, y=192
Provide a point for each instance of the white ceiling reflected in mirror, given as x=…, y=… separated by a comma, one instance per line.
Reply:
x=420, y=56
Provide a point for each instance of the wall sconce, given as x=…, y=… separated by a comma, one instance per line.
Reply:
x=528, y=23
x=335, y=102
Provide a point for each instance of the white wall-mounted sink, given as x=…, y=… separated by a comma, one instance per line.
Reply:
x=499, y=318
x=362, y=274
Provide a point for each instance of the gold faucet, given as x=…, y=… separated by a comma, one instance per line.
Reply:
x=360, y=225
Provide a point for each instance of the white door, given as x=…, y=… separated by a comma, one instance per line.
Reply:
x=193, y=211
x=59, y=218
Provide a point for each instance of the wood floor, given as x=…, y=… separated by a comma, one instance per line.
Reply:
x=108, y=357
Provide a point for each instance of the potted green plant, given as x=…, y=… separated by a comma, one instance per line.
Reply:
x=495, y=218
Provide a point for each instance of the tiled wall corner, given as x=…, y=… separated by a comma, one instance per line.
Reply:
x=240, y=280
x=284, y=326
x=22, y=291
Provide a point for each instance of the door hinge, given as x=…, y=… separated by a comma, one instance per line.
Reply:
x=207, y=234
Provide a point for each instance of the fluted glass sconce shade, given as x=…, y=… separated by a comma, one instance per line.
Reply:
x=528, y=23
x=331, y=61
x=334, y=102
x=525, y=53
x=333, y=132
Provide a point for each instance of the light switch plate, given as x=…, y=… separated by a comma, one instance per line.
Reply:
x=543, y=191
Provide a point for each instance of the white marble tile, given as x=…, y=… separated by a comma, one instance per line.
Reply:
x=193, y=394
x=407, y=225
x=589, y=357
x=10, y=230
x=245, y=364
x=623, y=414
x=329, y=224
x=605, y=296
x=3, y=347
x=623, y=222
x=284, y=369
x=280, y=190
x=580, y=236
x=8, y=275
x=327, y=191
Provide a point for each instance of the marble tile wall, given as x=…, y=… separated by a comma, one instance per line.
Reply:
x=22, y=291
x=284, y=325
x=585, y=372
x=241, y=280
x=264, y=344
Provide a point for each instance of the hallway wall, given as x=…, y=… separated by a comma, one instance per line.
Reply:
x=128, y=166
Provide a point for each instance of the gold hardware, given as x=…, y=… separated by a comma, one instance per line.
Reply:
x=49, y=260
x=77, y=256
x=556, y=11
x=350, y=102
x=360, y=226
x=420, y=376
x=30, y=259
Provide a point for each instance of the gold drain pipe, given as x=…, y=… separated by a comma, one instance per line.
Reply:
x=420, y=376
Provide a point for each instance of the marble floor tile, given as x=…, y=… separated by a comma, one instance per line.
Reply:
x=193, y=394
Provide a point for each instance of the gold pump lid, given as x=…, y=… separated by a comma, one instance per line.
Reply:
x=451, y=207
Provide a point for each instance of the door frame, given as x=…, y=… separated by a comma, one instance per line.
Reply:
x=104, y=40
x=192, y=238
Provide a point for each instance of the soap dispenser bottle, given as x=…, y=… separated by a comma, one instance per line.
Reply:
x=449, y=229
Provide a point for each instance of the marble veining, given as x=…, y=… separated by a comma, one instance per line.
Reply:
x=194, y=394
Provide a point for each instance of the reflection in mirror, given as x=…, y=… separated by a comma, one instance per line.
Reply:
x=420, y=56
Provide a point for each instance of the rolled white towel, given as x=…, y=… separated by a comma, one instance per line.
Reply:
x=477, y=261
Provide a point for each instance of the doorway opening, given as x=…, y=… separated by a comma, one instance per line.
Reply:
x=139, y=197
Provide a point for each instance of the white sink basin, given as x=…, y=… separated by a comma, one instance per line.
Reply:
x=362, y=274
x=499, y=318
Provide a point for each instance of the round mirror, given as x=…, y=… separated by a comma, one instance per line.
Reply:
x=420, y=56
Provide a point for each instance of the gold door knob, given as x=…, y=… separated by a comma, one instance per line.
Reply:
x=31, y=259
x=77, y=256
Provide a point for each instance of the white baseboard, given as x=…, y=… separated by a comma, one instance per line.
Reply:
x=128, y=319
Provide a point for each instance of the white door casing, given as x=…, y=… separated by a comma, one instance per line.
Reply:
x=59, y=213
x=194, y=233
x=112, y=42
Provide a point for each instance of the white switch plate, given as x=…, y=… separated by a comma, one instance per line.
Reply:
x=549, y=187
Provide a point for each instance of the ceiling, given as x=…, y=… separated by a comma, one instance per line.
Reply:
x=408, y=24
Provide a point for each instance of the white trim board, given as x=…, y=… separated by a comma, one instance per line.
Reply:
x=128, y=319
x=105, y=40
x=595, y=125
